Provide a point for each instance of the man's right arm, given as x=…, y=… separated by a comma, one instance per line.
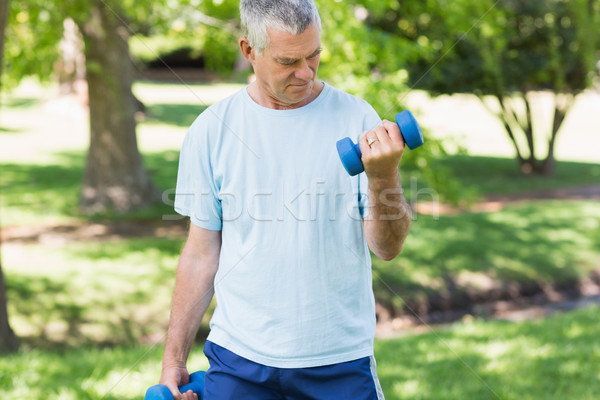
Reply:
x=194, y=289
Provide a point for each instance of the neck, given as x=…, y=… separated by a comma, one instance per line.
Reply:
x=263, y=98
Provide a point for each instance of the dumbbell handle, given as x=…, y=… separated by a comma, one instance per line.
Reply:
x=350, y=153
x=161, y=392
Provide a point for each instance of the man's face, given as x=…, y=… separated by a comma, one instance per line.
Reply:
x=287, y=68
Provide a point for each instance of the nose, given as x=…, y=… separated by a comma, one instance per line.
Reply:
x=304, y=72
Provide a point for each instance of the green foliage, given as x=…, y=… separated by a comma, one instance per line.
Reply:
x=361, y=59
x=190, y=28
x=32, y=37
x=368, y=61
x=506, y=49
x=35, y=29
x=498, y=47
x=220, y=49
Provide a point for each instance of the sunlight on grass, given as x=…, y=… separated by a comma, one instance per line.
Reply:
x=528, y=360
x=115, y=292
x=551, y=358
x=35, y=194
x=542, y=242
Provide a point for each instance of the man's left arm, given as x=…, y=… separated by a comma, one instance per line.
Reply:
x=389, y=218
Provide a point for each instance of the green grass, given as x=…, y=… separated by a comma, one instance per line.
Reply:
x=554, y=359
x=49, y=193
x=181, y=115
x=551, y=359
x=543, y=242
x=492, y=176
x=118, y=291
x=89, y=373
x=115, y=291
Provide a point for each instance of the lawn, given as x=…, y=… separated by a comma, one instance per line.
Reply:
x=552, y=359
x=93, y=312
x=543, y=243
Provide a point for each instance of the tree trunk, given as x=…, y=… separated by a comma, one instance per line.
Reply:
x=8, y=340
x=115, y=178
x=515, y=125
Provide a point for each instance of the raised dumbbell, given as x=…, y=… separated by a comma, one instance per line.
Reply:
x=350, y=153
x=161, y=392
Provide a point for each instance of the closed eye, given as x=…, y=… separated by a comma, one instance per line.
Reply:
x=292, y=61
x=287, y=61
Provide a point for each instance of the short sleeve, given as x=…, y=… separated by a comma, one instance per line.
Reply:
x=196, y=195
x=371, y=121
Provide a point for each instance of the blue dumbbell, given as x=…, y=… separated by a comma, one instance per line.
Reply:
x=350, y=153
x=161, y=392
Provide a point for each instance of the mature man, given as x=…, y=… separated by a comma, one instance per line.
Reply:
x=279, y=231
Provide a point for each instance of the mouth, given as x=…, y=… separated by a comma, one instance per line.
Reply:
x=301, y=85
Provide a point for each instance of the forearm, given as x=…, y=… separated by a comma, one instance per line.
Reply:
x=389, y=219
x=194, y=289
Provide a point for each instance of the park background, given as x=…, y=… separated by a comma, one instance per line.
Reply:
x=495, y=294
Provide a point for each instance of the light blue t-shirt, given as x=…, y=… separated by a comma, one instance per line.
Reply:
x=294, y=285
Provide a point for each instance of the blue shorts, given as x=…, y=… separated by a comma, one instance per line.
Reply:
x=231, y=377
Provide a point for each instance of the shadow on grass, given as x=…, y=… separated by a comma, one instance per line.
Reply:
x=41, y=189
x=455, y=260
x=540, y=359
x=53, y=190
x=101, y=293
x=114, y=250
x=84, y=373
x=175, y=114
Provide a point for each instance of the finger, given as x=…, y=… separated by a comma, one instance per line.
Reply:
x=175, y=391
x=363, y=142
x=382, y=136
x=393, y=131
x=363, y=135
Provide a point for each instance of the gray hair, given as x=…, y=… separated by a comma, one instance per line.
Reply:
x=292, y=16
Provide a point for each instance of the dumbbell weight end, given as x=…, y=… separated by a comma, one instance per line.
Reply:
x=350, y=153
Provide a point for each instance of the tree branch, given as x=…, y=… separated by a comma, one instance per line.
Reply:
x=528, y=128
x=504, y=117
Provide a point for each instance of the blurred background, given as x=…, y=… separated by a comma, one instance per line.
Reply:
x=495, y=295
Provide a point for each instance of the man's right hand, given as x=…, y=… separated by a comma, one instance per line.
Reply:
x=173, y=377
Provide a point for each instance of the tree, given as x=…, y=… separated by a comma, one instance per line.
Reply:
x=507, y=51
x=8, y=340
x=115, y=178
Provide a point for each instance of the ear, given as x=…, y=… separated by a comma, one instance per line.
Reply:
x=247, y=50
